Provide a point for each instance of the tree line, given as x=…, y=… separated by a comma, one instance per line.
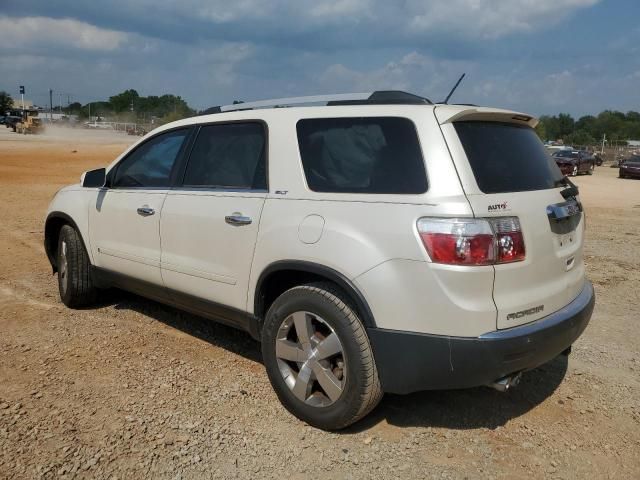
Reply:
x=127, y=106
x=589, y=129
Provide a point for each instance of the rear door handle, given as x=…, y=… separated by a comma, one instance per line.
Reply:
x=146, y=210
x=237, y=219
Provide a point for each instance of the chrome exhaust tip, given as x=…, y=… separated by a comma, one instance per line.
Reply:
x=505, y=383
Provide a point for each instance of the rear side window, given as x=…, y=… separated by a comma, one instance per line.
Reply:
x=507, y=158
x=228, y=156
x=361, y=155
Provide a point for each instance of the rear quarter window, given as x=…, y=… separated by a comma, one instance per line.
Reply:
x=374, y=155
x=507, y=157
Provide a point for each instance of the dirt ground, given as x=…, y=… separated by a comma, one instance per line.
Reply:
x=133, y=389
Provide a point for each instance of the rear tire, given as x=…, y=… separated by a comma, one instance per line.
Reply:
x=318, y=357
x=74, y=270
x=574, y=172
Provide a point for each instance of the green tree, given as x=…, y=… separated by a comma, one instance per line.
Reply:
x=611, y=123
x=579, y=137
x=6, y=102
x=558, y=127
x=146, y=108
x=589, y=124
x=73, y=108
x=96, y=109
x=123, y=101
x=566, y=124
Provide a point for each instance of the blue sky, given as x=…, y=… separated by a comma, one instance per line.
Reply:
x=538, y=56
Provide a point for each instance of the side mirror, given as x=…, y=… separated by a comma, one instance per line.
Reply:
x=94, y=178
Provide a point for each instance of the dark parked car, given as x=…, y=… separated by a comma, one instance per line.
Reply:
x=574, y=162
x=11, y=122
x=630, y=168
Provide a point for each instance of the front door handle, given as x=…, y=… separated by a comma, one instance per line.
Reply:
x=146, y=210
x=237, y=219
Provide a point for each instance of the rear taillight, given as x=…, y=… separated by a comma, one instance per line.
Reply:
x=472, y=241
x=458, y=241
x=509, y=239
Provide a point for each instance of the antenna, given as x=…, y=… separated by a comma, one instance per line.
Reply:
x=446, y=100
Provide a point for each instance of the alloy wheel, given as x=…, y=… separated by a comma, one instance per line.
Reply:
x=311, y=359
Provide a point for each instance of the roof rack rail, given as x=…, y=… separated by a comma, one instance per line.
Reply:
x=380, y=97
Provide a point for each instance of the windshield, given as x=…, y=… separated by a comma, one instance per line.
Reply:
x=507, y=157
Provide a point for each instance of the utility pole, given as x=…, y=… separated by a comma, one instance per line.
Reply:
x=50, y=105
x=22, y=97
x=604, y=139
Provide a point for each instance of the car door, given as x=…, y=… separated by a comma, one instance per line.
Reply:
x=585, y=162
x=582, y=162
x=210, y=223
x=124, y=222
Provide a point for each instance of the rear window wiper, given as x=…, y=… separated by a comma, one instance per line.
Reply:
x=570, y=191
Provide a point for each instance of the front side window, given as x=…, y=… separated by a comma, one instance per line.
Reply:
x=151, y=163
x=228, y=156
x=362, y=155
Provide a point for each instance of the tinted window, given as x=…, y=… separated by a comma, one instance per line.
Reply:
x=565, y=153
x=361, y=155
x=150, y=164
x=231, y=156
x=506, y=157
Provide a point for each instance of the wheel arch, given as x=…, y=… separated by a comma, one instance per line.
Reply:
x=53, y=224
x=279, y=276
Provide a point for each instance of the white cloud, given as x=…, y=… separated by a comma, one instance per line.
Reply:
x=465, y=18
x=490, y=18
x=359, y=8
x=413, y=72
x=27, y=32
x=214, y=51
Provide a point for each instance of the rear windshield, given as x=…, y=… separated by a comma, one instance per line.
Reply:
x=361, y=155
x=507, y=158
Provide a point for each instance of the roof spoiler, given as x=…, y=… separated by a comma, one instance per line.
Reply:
x=451, y=113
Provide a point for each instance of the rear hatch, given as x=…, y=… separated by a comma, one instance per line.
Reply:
x=506, y=172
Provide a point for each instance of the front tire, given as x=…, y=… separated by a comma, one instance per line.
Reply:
x=74, y=270
x=318, y=357
x=574, y=172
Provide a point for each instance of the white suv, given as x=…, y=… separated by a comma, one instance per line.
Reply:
x=374, y=243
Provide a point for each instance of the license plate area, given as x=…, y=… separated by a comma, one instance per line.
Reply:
x=564, y=218
x=567, y=239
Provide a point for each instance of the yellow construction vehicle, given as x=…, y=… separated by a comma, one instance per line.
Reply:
x=30, y=123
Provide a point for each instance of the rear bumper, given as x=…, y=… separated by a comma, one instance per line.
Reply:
x=409, y=362
x=629, y=173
